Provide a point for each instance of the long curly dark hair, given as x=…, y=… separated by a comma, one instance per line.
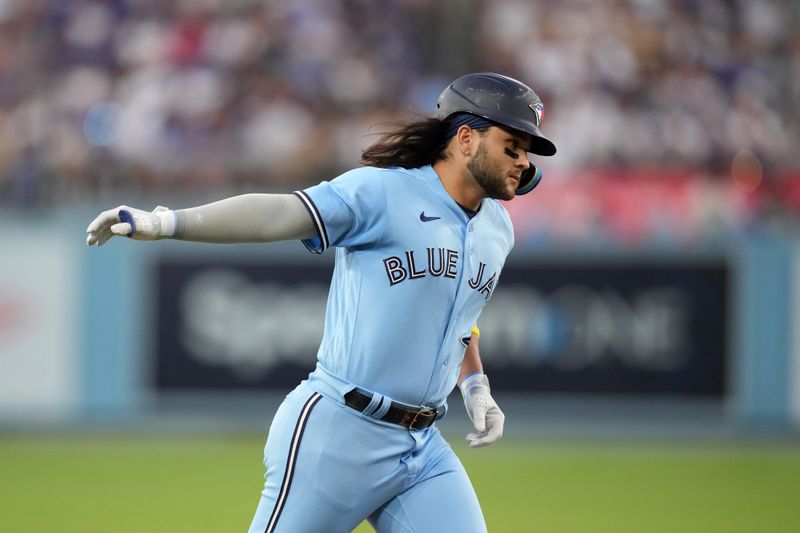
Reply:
x=408, y=145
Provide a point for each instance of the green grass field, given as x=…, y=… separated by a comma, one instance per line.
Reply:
x=129, y=483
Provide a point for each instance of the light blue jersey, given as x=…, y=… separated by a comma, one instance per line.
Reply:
x=412, y=274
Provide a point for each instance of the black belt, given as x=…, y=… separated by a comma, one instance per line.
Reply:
x=397, y=414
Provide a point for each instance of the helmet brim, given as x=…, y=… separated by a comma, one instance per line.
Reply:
x=540, y=145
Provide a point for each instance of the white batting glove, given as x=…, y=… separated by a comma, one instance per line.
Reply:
x=130, y=222
x=483, y=411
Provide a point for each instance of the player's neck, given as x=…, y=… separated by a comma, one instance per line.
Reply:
x=459, y=184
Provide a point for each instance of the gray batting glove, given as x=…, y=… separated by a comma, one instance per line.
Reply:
x=124, y=221
x=483, y=411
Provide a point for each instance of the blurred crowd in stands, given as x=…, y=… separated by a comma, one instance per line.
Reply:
x=197, y=98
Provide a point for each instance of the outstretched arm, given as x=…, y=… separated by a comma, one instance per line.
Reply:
x=483, y=411
x=244, y=218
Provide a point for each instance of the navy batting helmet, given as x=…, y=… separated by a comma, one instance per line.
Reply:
x=504, y=101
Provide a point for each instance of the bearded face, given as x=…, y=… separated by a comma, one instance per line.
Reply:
x=498, y=163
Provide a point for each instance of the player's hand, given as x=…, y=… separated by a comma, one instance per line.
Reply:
x=483, y=411
x=124, y=221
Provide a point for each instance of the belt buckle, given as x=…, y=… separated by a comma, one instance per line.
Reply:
x=424, y=410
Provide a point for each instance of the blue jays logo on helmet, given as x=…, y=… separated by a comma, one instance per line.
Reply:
x=538, y=110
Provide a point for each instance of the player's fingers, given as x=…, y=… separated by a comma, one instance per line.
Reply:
x=103, y=220
x=479, y=419
x=475, y=440
x=479, y=440
x=104, y=236
x=494, y=429
x=123, y=228
x=93, y=238
x=98, y=237
x=494, y=421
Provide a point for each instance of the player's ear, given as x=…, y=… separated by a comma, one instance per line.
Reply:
x=465, y=140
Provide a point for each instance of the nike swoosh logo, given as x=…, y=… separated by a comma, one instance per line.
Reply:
x=423, y=218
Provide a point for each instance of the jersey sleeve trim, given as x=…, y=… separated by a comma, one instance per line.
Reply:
x=320, y=244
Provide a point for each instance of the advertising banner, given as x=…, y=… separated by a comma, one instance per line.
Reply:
x=562, y=328
x=608, y=328
x=238, y=325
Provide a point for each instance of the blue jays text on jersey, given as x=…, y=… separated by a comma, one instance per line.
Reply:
x=412, y=274
x=398, y=270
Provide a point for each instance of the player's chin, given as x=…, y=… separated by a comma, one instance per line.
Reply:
x=504, y=195
x=510, y=190
x=500, y=189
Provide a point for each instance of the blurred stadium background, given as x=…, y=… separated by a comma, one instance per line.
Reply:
x=643, y=341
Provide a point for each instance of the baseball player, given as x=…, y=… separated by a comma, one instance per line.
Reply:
x=420, y=241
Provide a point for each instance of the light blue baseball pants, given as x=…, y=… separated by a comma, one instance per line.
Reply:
x=329, y=467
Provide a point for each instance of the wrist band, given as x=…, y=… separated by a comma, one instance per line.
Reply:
x=168, y=221
x=468, y=381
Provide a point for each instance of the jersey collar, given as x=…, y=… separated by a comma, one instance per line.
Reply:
x=432, y=179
